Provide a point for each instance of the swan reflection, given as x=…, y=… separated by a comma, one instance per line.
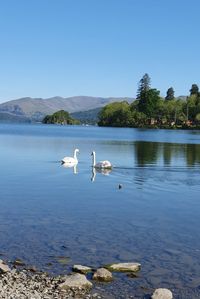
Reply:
x=71, y=165
x=98, y=170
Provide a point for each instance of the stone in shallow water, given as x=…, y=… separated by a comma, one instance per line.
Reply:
x=81, y=269
x=74, y=281
x=124, y=267
x=63, y=260
x=3, y=267
x=18, y=262
x=162, y=294
x=103, y=274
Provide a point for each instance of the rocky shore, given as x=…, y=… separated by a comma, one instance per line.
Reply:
x=31, y=284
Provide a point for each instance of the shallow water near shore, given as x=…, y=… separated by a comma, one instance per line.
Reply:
x=53, y=218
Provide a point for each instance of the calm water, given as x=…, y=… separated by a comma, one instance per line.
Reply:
x=48, y=214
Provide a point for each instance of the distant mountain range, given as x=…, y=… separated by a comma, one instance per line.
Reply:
x=34, y=109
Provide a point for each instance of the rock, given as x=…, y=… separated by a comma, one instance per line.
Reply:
x=81, y=269
x=31, y=269
x=162, y=294
x=3, y=267
x=102, y=274
x=64, y=260
x=124, y=267
x=18, y=262
x=74, y=281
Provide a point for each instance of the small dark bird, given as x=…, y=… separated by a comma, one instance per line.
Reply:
x=120, y=186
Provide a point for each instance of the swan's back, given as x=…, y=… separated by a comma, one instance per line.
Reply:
x=69, y=160
x=104, y=164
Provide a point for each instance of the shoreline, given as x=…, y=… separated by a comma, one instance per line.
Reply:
x=83, y=283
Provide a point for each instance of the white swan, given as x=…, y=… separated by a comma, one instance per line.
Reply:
x=71, y=160
x=102, y=164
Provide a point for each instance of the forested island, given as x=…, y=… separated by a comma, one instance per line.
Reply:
x=153, y=111
x=60, y=117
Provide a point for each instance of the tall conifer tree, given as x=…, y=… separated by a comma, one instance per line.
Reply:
x=170, y=94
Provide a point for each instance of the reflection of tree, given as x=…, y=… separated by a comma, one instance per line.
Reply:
x=167, y=153
x=146, y=152
x=156, y=154
x=192, y=154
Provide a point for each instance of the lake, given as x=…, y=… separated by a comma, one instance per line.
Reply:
x=53, y=217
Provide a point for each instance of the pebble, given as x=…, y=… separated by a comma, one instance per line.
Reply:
x=162, y=294
x=81, y=269
x=16, y=284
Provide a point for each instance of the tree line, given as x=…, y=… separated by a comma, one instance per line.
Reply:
x=151, y=110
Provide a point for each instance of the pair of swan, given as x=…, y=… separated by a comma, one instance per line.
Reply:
x=74, y=161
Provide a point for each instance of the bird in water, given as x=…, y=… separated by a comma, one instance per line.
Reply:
x=71, y=160
x=102, y=164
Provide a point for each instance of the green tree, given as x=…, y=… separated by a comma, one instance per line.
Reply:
x=144, y=85
x=194, y=90
x=149, y=102
x=116, y=114
x=197, y=118
x=192, y=106
x=143, y=88
x=60, y=117
x=170, y=94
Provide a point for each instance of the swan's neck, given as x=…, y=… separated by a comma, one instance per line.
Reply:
x=94, y=159
x=75, y=157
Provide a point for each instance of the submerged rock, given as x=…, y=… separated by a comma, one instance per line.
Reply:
x=103, y=274
x=3, y=267
x=81, y=269
x=162, y=294
x=74, y=281
x=63, y=260
x=124, y=267
x=18, y=262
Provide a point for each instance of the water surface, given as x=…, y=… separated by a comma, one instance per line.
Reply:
x=53, y=218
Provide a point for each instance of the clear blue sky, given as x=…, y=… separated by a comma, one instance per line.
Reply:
x=97, y=47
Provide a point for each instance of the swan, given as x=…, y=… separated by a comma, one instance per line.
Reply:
x=71, y=160
x=102, y=164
